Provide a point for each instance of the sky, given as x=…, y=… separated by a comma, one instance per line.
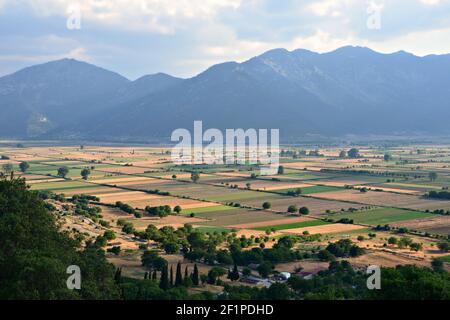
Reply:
x=185, y=37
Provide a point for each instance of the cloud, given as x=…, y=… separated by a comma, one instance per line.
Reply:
x=431, y=2
x=184, y=37
x=160, y=16
x=24, y=51
x=332, y=8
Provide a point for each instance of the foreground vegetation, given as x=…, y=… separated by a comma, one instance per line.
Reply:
x=35, y=253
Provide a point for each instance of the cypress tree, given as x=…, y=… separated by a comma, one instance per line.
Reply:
x=234, y=275
x=118, y=275
x=164, y=282
x=171, y=276
x=195, y=277
x=179, y=277
x=154, y=275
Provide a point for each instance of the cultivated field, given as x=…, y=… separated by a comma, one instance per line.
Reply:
x=345, y=197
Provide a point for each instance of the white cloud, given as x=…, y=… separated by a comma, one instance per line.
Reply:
x=331, y=8
x=42, y=49
x=160, y=16
x=431, y=2
x=184, y=37
x=420, y=43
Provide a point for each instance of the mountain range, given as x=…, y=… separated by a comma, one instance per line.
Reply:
x=349, y=91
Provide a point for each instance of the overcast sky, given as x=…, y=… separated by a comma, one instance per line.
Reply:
x=184, y=37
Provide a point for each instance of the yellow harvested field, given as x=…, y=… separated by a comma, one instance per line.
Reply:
x=323, y=229
x=170, y=201
x=125, y=196
x=385, y=199
x=232, y=174
x=123, y=169
x=124, y=179
x=387, y=259
x=93, y=191
x=44, y=180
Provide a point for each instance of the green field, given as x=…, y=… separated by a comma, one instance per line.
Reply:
x=63, y=185
x=445, y=259
x=295, y=225
x=380, y=216
x=310, y=190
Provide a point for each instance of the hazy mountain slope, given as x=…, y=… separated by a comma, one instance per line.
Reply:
x=351, y=90
x=223, y=97
x=39, y=98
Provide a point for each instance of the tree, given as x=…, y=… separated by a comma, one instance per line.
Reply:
x=109, y=235
x=195, y=177
x=63, y=172
x=280, y=170
x=118, y=275
x=85, y=173
x=246, y=271
x=278, y=291
x=266, y=205
x=433, y=176
x=415, y=246
x=151, y=260
x=437, y=265
x=177, y=209
x=161, y=211
x=444, y=246
x=171, y=247
x=203, y=278
x=387, y=157
x=187, y=281
x=404, y=242
x=34, y=254
x=178, y=276
x=234, y=274
x=7, y=168
x=303, y=211
x=393, y=240
x=343, y=154
x=265, y=268
x=164, y=280
x=353, y=153
x=116, y=250
x=195, y=278
x=325, y=255
x=24, y=166
x=214, y=274
x=171, y=277
x=292, y=208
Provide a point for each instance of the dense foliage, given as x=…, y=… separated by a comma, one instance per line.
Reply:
x=34, y=255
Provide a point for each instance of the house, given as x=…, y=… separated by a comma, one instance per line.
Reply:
x=257, y=281
x=305, y=275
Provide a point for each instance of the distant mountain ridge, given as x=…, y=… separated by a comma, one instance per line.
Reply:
x=352, y=90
